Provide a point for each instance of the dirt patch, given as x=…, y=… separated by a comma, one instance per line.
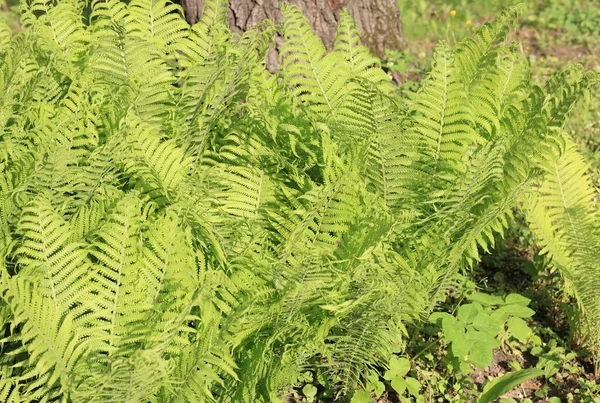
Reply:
x=551, y=45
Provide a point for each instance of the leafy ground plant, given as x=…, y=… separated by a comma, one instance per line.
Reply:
x=178, y=224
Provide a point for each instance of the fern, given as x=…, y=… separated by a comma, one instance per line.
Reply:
x=317, y=78
x=444, y=124
x=565, y=220
x=44, y=254
x=179, y=224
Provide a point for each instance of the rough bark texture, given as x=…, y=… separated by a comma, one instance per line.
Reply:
x=377, y=20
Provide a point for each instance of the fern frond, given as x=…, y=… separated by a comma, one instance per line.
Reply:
x=565, y=220
x=9, y=386
x=159, y=165
x=169, y=278
x=51, y=335
x=315, y=77
x=329, y=211
x=476, y=52
x=563, y=90
x=210, y=33
x=498, y=84
x=5, y=35
x=361, y=63
x=45, y=254
x=159, y=22
x=442, y=116
x=116, y=251
x=374, y=120
x=65, y=27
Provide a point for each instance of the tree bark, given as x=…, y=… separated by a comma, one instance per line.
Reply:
x=378, y=21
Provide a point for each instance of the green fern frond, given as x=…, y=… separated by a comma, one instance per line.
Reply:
x=329, y=211
x=169, y=274
x=563, y=90
x=159, y=165
x=374, y=120
x=358, y=345
x=5, y=35
x=135, y=378
x=45, y=254
x=214, y=15
x=565, y=220
x=210, y=33
x=9, y=386
x=315, y=77
x=362, y=64
x=499, y=84
x=442, y=118
x=51, y=335
x=65, y=27
x=159, y=22
x=116, y=250
x=245, y=191
x=86, y=219
x=474, y=53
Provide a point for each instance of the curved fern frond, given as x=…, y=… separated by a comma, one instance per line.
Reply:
x=160, y=22
x=210, y=33
x=45, y=254
x=5, y=35
x=563, y=90
x=474, y=53
x=315, y=77
x=115, y=249
x=159, y=165
x=499, y=84
x=566, y=222
x=374, y=122
x=51, y=335
x=65, y=27
x=442, y=117
x=361, y=63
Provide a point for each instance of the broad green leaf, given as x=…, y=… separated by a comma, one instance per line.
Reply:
x=413, y=386
x=399, y=385
x=460, y=348
x=517, y=310
x=375, y=384
x=309, y=391
x=481, y=355
x=398, y=368
x=519, y=329
x=453, y=330
x=517, y=299
x=485, y=323
x=499, y=386
x=361, y=396
x=486, y=299
x=466, y=313
x=437, y=317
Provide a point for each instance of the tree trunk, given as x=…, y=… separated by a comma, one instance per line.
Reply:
x=378, y=21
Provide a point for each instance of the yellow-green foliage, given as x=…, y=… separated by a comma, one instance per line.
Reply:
x=179, y=225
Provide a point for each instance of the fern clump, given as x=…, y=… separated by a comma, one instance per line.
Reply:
x=179, y=225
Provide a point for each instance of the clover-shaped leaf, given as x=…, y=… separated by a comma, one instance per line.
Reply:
x=398, y=368
x=310, y=391
x=361, y=396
